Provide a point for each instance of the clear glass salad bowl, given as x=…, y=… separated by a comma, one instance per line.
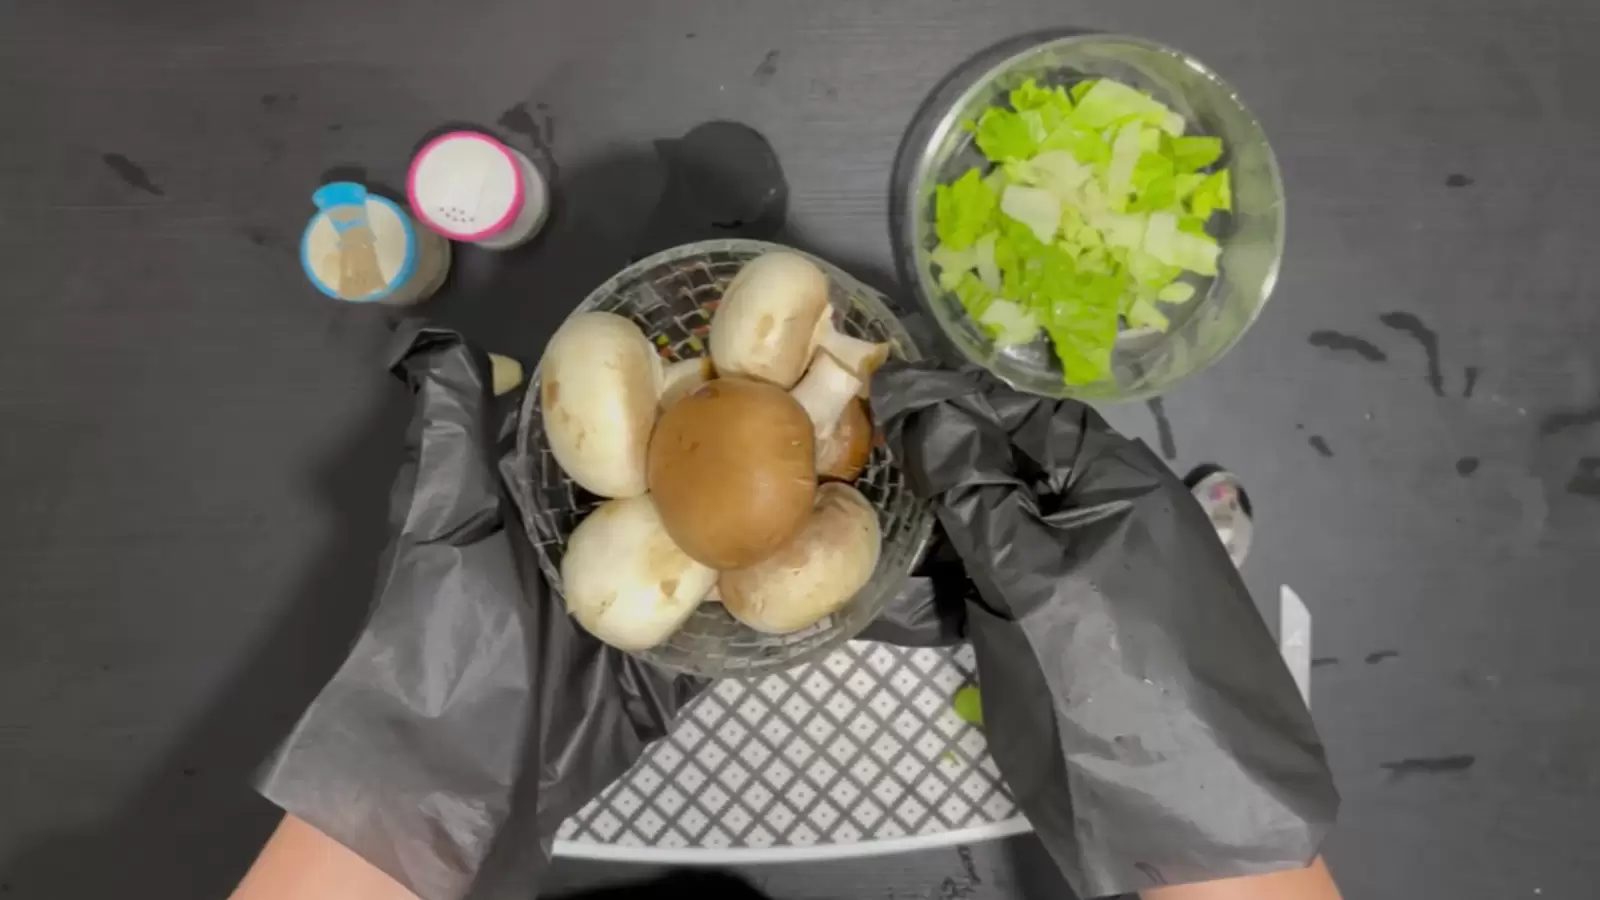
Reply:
x=938, y=149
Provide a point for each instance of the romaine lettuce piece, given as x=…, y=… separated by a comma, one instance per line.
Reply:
x=1214, y=193
x=1118, y=181
x=1009, y=323
x=1144, y=314
x=1176, y=292
x=1110, y=102
x=1006, y=135
x=1191, y=154
x=962, y=210
x=984, y=261
x=953, y=264
x=1034, y=207
x=974, y=297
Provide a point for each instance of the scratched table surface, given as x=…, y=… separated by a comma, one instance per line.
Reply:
x=197, y=447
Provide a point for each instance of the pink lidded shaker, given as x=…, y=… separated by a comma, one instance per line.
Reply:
x=472, y=188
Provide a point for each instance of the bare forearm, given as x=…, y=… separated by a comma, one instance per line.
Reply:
x=301, y=863
x=1311, y=883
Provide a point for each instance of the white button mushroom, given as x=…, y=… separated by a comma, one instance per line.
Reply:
x=814, y=575
x=774, y=315
x=624, y=579
x=766, y=323
x=599, y=382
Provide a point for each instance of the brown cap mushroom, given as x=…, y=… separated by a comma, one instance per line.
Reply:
x=844, y=452
x=731, y=468
x=843, y=436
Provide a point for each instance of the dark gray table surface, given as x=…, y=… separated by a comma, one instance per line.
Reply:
x=197, y=447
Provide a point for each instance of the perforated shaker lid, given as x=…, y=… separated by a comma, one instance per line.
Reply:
x=465, y=185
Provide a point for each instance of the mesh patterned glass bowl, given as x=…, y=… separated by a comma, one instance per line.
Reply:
x=938, y=149
x=671, y=296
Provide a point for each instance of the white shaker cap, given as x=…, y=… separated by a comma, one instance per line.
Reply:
x=470, y=187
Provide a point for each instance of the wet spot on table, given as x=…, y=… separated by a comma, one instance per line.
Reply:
x=690, y=36
x=1555, y=423
x=1458, y=180
x=1320, y=661
x=268, y=101
x=769, y=67
x=967, y=865
x=258, y=236
x=1429, y=765
x=824, y=89
x=335, y=127
x=1471, y=373
x=132, y=174
x=1586, y=482
x=190, y=771
x=519, y=120
x=1408, y=323
x=541, y=132
x=1466, y=465
x=1381, y=655
x=1168, y=444
x=1320, y=444
x=1347, y=343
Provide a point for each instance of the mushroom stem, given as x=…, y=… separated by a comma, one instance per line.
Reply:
x=862, y=358
x=824, y=393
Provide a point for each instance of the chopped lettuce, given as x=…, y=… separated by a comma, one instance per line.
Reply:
x=1191, y=154
x=1108, y=102
x=1144, y=314
x=1034, y=207
x=967, y=704
x=953, y=264
x=962, y=210
x=1096, y=204
x=974, y=297
x=1005, y=135
x=1214, y=193
x=1176, y=292
x=1010, y=323
x=983, y=259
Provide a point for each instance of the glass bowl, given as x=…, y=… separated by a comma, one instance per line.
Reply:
x=671, y=296
x=938, y=149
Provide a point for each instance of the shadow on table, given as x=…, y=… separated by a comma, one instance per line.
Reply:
x=702, y=884
x=1015, y=868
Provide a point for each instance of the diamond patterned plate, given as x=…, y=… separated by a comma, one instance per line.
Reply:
x=811, y=757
